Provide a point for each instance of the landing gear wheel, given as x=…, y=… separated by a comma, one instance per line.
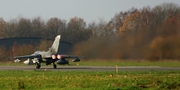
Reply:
x=54, y=66
x=38, y=66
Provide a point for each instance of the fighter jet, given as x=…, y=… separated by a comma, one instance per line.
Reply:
x=47, y=57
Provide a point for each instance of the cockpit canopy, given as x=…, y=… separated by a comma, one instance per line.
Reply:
x=36, y=52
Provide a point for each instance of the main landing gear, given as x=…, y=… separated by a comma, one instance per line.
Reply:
x=54, y=65
x=38, y=65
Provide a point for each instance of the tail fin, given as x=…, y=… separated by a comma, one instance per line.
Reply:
x=55, y=45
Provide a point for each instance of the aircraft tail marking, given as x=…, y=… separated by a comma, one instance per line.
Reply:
x=55, y=45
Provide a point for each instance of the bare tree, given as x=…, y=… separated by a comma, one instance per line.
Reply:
x=76, y=24
x=53, y=27
x=164, y=10
x=24, y=28
x=76, y=31
x=2, y=27
x=37, y=27
x=11, y=28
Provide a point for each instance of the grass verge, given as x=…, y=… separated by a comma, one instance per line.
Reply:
x=84, y=80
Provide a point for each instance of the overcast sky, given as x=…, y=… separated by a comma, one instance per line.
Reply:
x=89, y=10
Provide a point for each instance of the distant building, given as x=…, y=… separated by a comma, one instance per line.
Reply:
x=64, y=47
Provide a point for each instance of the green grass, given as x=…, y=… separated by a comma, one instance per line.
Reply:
x=84, y=80
x=164, y=63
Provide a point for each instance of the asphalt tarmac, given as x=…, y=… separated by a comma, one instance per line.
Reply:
x=91, y=68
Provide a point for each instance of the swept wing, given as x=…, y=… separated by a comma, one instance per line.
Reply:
x=28, y=56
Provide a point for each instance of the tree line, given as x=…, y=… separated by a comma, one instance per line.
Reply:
x=146, y=33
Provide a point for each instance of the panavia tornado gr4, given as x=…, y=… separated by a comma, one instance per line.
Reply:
x=48, y=57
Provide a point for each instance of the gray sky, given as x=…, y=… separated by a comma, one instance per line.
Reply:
x=89, y=10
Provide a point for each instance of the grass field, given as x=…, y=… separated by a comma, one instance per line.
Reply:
x=84, y=80
x=93, y=80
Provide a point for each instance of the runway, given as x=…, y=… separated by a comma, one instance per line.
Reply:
x=91, y=68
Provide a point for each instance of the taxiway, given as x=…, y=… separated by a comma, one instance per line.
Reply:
x=91, y=68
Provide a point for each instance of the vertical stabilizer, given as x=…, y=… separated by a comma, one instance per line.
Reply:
x=55, y=45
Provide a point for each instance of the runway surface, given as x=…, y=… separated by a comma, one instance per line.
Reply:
x=90, y=68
